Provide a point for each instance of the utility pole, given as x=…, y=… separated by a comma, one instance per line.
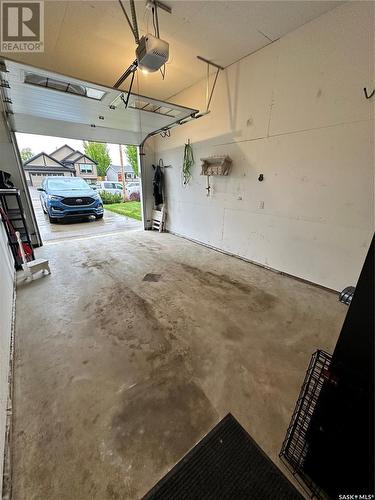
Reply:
x=122, y=172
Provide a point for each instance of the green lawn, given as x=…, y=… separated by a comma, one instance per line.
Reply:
x=129, y=208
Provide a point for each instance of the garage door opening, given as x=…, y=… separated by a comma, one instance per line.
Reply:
x=46, y=104
x=81, y=188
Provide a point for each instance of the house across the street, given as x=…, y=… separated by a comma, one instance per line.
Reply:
x=64, y=161
x=114, y=173
x=83, y=165
x=43, y=165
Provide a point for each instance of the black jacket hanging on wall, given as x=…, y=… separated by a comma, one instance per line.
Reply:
x=158, y=185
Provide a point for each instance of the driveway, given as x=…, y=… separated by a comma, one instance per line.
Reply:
x=111, y=223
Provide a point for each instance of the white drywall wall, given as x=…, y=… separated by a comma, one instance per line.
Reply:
x=6, y=310
x=296, y=112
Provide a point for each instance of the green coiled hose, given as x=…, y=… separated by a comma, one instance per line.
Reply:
x=188, y=163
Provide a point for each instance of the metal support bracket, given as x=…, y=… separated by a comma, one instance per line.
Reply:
x=132, y=68
x=160, y=5
x=209, y=93
x=126, y=101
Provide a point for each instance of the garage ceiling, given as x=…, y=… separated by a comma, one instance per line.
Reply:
x=36, y=109
x=90, y=40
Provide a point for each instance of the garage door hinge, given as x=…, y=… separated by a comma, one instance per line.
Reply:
x=4, y=83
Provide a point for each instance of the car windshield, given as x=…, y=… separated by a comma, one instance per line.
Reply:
x=68, y=184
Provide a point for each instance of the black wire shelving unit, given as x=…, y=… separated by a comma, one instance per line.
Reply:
x=295, y=446
x=10, y=202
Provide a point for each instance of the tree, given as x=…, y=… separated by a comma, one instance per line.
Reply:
x=26, y=154
x=98, y=151
x=132, y=156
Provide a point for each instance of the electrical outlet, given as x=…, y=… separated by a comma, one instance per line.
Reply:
x=261, y=204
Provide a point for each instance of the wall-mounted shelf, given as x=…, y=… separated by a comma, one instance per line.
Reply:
x=216, y=165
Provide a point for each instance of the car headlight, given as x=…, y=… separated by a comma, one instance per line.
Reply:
x=53, y=197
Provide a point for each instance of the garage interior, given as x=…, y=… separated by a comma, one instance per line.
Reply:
x=116, y=365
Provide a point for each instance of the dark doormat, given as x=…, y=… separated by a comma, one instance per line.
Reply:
x=226, y=464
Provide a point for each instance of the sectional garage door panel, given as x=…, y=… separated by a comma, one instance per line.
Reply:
x=39, y=109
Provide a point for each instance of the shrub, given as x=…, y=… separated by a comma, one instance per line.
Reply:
x=135, y=196
x=109, y=198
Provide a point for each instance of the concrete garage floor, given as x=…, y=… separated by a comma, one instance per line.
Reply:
x=110, y=223
x=116, y=378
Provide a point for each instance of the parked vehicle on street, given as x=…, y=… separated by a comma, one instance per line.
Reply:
x=109, y=187
x=117, y=187
x=67, y=197
x=133, y=187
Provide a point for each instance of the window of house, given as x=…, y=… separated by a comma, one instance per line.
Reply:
x=85, y=168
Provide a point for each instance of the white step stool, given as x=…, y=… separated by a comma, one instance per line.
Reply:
x=158, y=220
x=35, y=266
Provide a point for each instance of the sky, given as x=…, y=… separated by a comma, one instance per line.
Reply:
x=47, y=144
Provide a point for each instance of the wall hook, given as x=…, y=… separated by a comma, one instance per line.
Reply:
x=368, y=96
x=208, y=188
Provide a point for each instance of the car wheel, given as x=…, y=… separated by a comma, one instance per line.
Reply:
x=99, y=216
x=52, y=220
